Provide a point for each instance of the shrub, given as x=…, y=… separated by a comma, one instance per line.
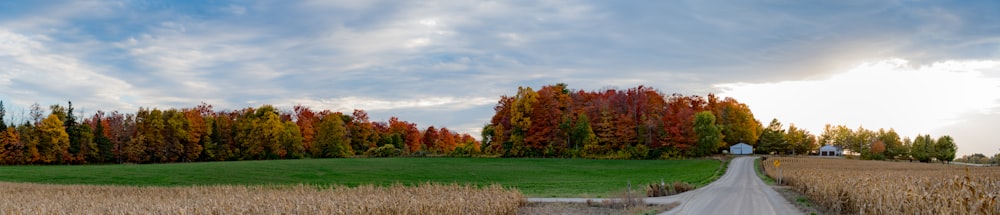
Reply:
x=388, y=150
x=665, y=189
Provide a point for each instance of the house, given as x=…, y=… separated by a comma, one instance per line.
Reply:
x=829, y=150
x=741, y=149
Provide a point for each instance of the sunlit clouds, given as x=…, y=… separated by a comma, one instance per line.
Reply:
x=891, y=93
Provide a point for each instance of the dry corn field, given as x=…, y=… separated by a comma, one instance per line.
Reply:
x=18, y=198
x=878, y=187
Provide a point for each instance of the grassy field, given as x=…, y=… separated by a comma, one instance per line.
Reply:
x=533, y=177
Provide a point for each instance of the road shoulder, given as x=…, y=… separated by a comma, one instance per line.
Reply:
x=799, y=200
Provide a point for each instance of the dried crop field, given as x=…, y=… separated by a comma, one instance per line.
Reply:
x=21, y=198
x=878, y=187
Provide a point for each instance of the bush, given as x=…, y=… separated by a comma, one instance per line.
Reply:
x=388, y=150
x=664, y=189
x=639, y=151
x=463, y=151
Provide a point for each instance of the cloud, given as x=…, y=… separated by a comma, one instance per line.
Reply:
x=913, y=99
x=975, y=132
x=348, y=104
x=32, y=72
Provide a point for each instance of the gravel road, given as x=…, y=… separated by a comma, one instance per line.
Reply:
x=740, y=191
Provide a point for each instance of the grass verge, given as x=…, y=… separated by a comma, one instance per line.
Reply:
x=760, y=172
x=533, y=177
x=798, y=199
x=723, y=166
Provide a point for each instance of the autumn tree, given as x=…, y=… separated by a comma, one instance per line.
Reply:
x=878, y=150
x=862, y=140
x=736, y=121
x=292, y=141
x=520, y=121
x=306, y=119
x=447, y=141
x=176, y=134
x=678, y=121
x=604, y=129
x=197, y=132
x=412, y=137
x=544, y=135
x=331, y=138
x=11, y=149
x=709, y=135
x=31, y=135
x=431, y=138
x=121, y=129
x=893, y=145
x=363, y=136
x=53, y=144
x=838, y=135
x=8, y=141
x=800, y=141
x=495, y=135
x=583, y=134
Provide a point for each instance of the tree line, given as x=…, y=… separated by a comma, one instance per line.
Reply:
x=643, y=123
x=636, y=123
x=554, y=121
x=980, y=158
x=151, y=135
x=868, y=144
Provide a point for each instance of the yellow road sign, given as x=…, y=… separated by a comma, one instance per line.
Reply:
x=777, y=163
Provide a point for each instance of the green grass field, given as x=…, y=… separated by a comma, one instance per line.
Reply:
x=534, y=177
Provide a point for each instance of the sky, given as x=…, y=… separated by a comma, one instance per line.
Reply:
x=920, y=67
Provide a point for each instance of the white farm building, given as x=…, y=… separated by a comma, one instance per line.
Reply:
x=741, y=149
x=829, y=150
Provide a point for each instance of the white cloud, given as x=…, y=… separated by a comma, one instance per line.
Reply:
x=33, y=72
x=347, y=104
x=886, y=94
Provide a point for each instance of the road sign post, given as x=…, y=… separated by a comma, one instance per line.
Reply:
x=778, y=165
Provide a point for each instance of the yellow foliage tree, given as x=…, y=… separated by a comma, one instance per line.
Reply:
x=54, y=141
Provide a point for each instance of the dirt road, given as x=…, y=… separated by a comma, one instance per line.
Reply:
x=740, y=191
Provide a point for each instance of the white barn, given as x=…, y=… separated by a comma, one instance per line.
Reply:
x=741, y=149
x=829, y=150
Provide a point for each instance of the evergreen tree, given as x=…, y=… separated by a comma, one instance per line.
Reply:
x=772, y=140
x=104, y=147
x=3, y=113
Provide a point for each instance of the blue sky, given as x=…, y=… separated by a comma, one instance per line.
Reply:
x=445, y=63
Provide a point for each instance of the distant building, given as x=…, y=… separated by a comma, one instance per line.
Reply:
x=741, y=149
x=829, y=150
